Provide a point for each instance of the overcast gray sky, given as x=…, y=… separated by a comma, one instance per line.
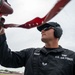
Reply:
x=26, y=10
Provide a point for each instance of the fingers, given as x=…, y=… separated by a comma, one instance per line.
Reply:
x=1, y=30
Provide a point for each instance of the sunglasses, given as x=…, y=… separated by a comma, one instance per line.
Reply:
x=47, y=28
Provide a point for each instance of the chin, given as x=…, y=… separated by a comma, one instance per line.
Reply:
x=44, y=40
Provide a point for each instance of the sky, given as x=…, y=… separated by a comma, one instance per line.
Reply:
x=26, y=10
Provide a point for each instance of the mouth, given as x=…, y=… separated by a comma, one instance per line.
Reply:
x=43, y=34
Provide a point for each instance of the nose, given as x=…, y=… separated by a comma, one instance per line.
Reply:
x=42, y=31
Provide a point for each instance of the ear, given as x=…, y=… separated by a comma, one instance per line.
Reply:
x=58, y=32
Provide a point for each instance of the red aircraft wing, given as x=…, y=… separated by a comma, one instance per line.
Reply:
x=38, y=21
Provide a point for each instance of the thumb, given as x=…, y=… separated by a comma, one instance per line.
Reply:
x=1, y=30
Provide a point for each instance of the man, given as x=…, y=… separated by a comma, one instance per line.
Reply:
x=52, y=59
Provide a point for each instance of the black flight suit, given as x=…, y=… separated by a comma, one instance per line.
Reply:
x=38, y=61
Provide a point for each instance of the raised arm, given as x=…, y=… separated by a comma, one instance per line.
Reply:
x=9, y=58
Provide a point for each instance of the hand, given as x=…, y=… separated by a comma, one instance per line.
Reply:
x=1, y=30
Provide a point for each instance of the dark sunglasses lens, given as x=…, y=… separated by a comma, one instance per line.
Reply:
x=47, y=28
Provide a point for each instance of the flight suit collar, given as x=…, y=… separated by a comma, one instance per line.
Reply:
x=56, y=50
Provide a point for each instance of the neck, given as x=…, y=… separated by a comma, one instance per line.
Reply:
x=52, y=44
